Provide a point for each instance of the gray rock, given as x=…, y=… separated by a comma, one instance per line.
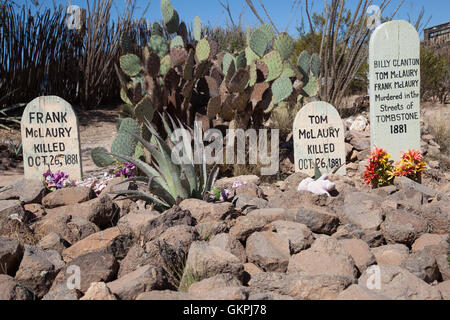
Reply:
x=268, y=250
x=11, y=253
x=317, y=219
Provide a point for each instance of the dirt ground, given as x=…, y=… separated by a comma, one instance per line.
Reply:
x=98, y=128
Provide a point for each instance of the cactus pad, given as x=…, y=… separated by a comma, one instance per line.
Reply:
x=239, y=81
x=125, y=42
x=144, y=110
x=167, y=11
x=174, y=23
x=202, y=69
x=152, y=64
x=213, y=107
x=281, y=89
x=101, y=158
x=124, y=96
x=159, y=45
x=259, y=42
x=157, y=30
x=124, y=144
x=304, y=63
x=285, y=45
x=274, y=64
x=177, y=41
x=250, y=56
x=241, y=60
x=258, y=91
x=253, y=75
x=213, y=86
x=230, y=72
x=287, y=70
x=165, y=65
x=311, y=88
x=202, y=50
x=178, y=56
x=226, y=61
x=197, y=28
x=268, y=30
x=188, y=69
x=130, y=64
x=182, y=32
x=214, y=46
x=316, y=65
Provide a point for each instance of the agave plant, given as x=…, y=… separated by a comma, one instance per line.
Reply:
x=168, y=182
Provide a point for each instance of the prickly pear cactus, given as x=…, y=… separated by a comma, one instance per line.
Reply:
x=284, y=44
x=130, y=64
x=281, y=89
x=197, y=28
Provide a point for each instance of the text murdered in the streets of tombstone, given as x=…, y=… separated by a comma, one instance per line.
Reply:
x=399, y=76
x=54, y=127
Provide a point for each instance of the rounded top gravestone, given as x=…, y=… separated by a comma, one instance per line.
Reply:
x=50, y=138
x=319, y=139
x=394, y=76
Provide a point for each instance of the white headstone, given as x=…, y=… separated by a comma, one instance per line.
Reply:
x=50, y=138
x=394, y=76
x=319, y=139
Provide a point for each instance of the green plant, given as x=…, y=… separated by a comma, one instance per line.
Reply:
x=123, y=144
x=6, y=119
x=15, y=151
x=167, y=182
x=435, y=76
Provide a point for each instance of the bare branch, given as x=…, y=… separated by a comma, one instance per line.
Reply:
x=228, y=10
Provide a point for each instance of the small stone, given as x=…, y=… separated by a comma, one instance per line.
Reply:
x=360, y=252
x=299, y=235
x=68, y=196
x=111, y=240
x=269, y=251
x=11, y=253
x=98, y=291
x=144, y=279
x=317, y=219
x=228, y=243
x=423, y=265
x=204, y=211
x=391, y=254
x=398, y=284
x=10, y=289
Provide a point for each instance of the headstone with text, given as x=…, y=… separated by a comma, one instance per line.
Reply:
x=50, y=138
x=394, y=76
x=319, y=139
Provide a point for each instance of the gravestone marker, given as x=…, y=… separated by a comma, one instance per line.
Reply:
x=50, y=138
x=394, y=76
x=319, y=139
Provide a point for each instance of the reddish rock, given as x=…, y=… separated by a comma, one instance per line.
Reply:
x=360, y=252
x=325, y=257
x=204, y=211
x=68, y=196
x=98, y=291
x=93, y=267
x=111, y=240
x=391, y=254
x=228, y=243
x=11, y=253
x=269, y=251
x=10, y=289
x=144, y=279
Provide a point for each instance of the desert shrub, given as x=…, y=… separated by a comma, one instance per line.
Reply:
x=435, y=76
x=40, y=53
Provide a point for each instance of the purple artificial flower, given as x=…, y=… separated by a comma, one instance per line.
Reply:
x=238, y=184
x=224, y=194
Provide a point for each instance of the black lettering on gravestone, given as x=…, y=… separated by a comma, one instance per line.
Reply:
x=319, y=139
x=50, y=138
x=394, y=76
